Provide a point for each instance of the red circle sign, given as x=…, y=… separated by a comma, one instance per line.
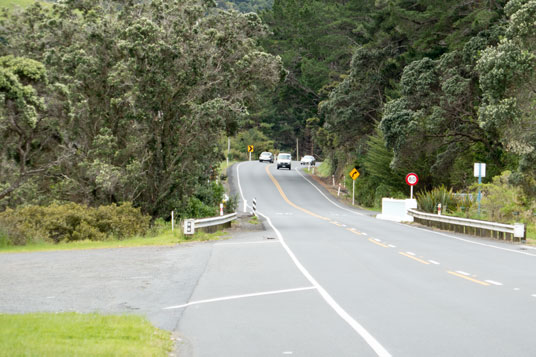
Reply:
x=412, y=179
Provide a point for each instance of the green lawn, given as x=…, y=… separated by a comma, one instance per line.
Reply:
x=74, y=334
x=167, y=237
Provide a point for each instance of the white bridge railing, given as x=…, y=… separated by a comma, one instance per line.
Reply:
x=190, y=225
x=515, y=232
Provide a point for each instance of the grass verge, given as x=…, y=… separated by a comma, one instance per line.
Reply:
x=74, y=334
x=324, y=170
x=164, y=238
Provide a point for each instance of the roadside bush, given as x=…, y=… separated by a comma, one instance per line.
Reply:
x=501, y=201
x=428, y=200
x=72, y=222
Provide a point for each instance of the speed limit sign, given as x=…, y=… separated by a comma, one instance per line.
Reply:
x=412, y=179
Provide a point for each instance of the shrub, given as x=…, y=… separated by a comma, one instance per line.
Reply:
x=428, y=200
x=501, y=201
x=72, y=222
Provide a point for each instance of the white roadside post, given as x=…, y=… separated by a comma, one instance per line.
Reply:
x=339, y=190
x=221, y=209
x=333, y=179
x=254, y=206
x=172, y=221
x=245, y=205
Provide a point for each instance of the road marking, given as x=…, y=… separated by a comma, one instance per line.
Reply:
x=276, y=183
x=288, y=352
x=234, y=297
x=463, y=273
x=533, y=295
x=391, y=246
x=516, y=289
x=414, y=258
x=493, y=282
x=468, y=278
x=356, y=326
x=353, y=231
x=477, y=243
x=410, y=253
x=378, y=243
x=241, y=243
x=434, y=262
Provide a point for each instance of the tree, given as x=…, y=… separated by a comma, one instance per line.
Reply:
x=30, y=118
x=153, y=87
x=508, y=80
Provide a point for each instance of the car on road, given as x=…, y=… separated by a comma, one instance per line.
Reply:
x=266, y=156
x=308, y=160
x=284, y=160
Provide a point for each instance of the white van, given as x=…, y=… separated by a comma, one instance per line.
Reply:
x=284, y=160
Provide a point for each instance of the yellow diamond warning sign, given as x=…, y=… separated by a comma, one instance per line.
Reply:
x=354, y=174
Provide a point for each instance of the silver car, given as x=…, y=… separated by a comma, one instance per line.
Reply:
x=266, y=156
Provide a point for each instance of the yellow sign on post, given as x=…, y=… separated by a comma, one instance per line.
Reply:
x=250, y=148
x=354, y=174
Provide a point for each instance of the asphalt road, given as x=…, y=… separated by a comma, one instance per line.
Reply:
x=322, y=279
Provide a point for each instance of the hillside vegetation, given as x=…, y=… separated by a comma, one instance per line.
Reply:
x=103, y=103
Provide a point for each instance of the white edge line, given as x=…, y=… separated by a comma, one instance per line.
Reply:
x=326, y=197
x=423, y=229
x=470, y=241
x=463, y=273
x=369, y=339
x=234, y=297
x=434, y=262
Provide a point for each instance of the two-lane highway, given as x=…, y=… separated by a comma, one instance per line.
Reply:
x=401, y=290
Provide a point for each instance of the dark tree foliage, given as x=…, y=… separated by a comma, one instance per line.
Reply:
x=137, y=96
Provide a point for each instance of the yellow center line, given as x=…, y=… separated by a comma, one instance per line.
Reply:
x=467, y=278
x=414, y=258
x=288, y=201
x=378, y=243
x=353, y=231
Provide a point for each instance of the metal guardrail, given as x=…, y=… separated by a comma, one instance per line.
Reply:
x=208, y=224
x=214, y=221
x=471, y=226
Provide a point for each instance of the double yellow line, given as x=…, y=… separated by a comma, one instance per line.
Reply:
x=290, y=202
x=282, y=193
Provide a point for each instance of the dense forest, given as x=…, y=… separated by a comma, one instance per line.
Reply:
x=102, y=102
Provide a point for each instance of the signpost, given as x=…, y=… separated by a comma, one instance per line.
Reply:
x=479, y=171
x=250, y=150
x=354, y=174
x=411, y=180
